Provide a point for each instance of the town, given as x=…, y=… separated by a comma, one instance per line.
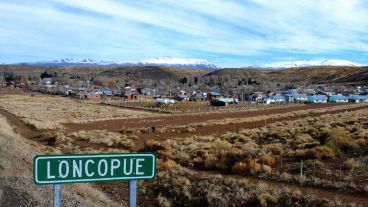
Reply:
x=88, y=90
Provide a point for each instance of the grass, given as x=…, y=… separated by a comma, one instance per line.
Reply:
x=49, y=112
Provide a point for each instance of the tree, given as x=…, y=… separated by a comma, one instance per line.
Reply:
x=45, y=75
x=195, y=80
x=183, y=80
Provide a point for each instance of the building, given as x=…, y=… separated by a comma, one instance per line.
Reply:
x=182, y=98
x=358, y=99
x=338, y=99
x=95, y=95
x=213, y=95
x=275, y=99
x=299, y=97
x=81, y=92
x=257, y=96
x=317, y=99
x=149, y=91
x=106, y=92
x=223, y=101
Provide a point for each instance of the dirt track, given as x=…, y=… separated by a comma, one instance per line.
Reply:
x=180, y=120
x=176, y=120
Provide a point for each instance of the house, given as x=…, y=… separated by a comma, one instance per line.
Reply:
x=299, y=97
x=213, y=95
x=130, y=96
x=358, y=99
x=95, y=95
x=47, y=81
x=289, y=98
x=149, y=91
x=338, y=99
x=257, y=96
x=117, y=92
x=106, y=92
x=199, y=96
x=182, y=98
x=317, y=99
x=223, y=101
x=275, y=99
x=81, y=92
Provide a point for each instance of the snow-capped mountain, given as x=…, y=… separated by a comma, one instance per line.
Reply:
x=70, y=62
x=178, y=62
x=310, y=63
x=166, y=61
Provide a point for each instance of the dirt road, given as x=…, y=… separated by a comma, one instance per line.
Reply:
x=117, y=125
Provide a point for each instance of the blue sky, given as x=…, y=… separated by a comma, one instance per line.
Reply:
x=224, y=32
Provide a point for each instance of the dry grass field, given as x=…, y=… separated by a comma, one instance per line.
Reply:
x=253, y=157
x=49, y=112
x=16, y=179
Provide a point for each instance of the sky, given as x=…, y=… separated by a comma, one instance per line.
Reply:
x=228, y=33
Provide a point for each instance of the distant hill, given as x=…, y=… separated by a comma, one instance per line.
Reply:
x=300, y=75
x=229, y=77
x=154, y=73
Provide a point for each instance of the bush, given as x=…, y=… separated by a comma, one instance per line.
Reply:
x=340, y=141
x=275, y=149
x=247, y=166
x=267, y=159
x=266, y=198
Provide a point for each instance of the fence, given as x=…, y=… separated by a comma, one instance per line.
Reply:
x=172, y=109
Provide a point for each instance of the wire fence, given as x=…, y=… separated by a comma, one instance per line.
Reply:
x=177, y=109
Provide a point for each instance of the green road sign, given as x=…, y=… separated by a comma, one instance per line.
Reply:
x=57, y=169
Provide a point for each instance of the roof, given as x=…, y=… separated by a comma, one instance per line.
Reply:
x=358, y=97
x=225, y=100
x=317, y=97
x=338, y=97
x=299, y=95
x=215, y=93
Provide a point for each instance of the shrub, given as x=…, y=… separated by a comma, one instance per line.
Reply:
x=246, y=166
x=340, y=141
x=275, y=149
x=153, y=145
x=267, y=159
x=266, y=198
x=169, y=164
x=352, y=164
x=267, y=169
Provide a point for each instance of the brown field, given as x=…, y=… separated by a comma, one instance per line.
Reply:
x=302, y=155
x=49, y=112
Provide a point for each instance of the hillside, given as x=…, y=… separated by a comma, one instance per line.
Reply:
x=16, y=179
x=148, y=76
x=298, y=76
x=154, y=73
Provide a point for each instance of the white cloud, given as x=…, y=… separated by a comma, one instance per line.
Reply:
x=153, y=28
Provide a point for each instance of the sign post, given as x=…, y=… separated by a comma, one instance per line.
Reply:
x=57, y=192
x=60, y=169
x=132, y=201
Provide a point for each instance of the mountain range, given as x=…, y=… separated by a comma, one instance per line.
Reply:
x=166, y=61
x=191, y=63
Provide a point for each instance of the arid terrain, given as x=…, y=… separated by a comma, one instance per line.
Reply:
x=298, y=155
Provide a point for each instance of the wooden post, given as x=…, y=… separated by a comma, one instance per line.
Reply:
x=301, y=170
